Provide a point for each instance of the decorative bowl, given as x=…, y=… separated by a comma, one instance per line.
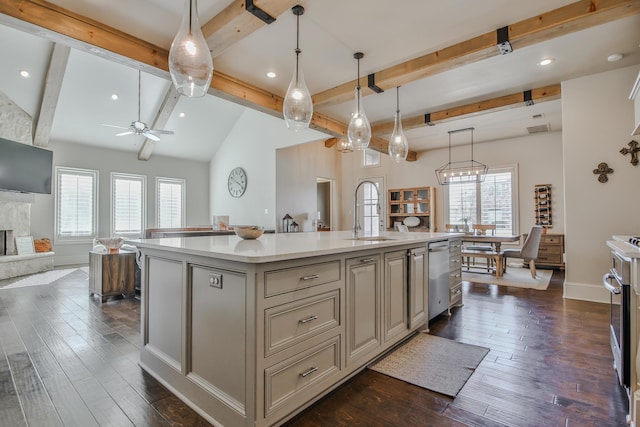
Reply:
x=111, y=243
x=248, y=232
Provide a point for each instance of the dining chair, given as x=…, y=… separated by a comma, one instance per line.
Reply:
x=482, y=230
x=529, y=250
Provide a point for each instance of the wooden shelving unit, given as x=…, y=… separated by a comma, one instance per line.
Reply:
x=542, y=202
x=417, y=201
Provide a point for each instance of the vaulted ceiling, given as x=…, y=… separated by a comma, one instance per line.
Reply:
x=443, y=54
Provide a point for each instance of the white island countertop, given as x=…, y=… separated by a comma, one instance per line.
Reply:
x=285, y=246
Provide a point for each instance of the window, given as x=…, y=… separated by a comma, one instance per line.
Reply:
x=76, y=204
x=493, y=201
x=170, y=202
x=128, y=207
x=370, y=158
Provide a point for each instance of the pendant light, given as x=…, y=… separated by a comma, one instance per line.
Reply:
x=297, y=104
x=190, y=63
x=359, y=130
x=344, y=146
x=462, y=171
x=398, y=144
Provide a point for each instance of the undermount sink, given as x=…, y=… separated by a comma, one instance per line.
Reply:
x=372, y=238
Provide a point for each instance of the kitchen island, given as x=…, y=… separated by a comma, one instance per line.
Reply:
x=250, y=332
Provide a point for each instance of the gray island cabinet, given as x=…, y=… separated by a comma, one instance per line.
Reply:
x=249, y=333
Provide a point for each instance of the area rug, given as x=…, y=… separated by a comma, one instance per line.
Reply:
x=39, y=279
x=432, y=362
x=514, y=276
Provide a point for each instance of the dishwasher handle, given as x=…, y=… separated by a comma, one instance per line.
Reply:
x=439, y=246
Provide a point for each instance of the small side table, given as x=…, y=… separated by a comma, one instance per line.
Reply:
x=112, y=274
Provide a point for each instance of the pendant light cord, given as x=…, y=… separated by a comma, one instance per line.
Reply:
x=472, y=146
x=138, y=95
x=397, y=99
x=190, y=17
x=358, y=87
x=298, y=51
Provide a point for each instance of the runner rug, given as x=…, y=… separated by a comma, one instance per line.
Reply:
x=432, y=362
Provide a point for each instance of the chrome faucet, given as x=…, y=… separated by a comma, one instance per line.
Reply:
x=356, y=227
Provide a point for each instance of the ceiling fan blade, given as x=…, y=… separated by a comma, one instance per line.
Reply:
x=151, y=136
x=124, y=133
x=114, y=126
x=161, y=132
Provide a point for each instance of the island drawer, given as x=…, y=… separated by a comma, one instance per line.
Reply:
x=301, y=377
x=292, y=323
x=455, y=294
x=287, y=280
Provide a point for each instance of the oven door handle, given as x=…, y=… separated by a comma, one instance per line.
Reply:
x=613, y=289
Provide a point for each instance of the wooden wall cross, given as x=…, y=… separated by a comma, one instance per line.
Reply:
x=603, y=170
x=633, y=150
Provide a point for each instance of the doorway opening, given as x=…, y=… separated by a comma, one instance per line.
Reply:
x=324, y=193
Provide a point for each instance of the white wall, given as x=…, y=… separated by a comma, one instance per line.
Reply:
x=297, y=170
x=539, y=159
x=597, y=119
x=252, y=145
x=106, y=161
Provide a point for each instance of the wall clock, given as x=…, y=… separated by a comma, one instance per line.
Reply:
x=237, y=182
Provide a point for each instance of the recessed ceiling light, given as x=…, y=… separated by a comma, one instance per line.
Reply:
x=545, y=62
x=614, y=57
x=181, y=114
x=24, y=73
x=114, y=96
x=271, y=75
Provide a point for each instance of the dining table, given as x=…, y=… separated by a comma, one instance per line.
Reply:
x=495, y=241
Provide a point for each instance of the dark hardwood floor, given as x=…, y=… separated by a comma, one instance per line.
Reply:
x=69, y=360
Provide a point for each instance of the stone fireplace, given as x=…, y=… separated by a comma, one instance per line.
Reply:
x=15, y=221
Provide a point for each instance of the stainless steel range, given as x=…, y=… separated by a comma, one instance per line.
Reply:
x=623, y=283
x=617, y=282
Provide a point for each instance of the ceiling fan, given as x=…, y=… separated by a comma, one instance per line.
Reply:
x=138, y=127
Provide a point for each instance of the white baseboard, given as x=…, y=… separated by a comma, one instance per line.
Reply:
x=586, y=292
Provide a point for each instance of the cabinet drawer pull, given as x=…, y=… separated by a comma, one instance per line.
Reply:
x=366, y=260
x=309, y=372
x=307, y=320
x=313, y=276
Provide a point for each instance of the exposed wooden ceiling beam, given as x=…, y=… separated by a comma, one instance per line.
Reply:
x=51, y=93
x=573, y=17
x=547, y=93
x=162, y=117
x=328, y=143
x=235, y=23
x=88, y=34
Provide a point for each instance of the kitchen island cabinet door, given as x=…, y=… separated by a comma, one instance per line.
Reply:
x=395, y=294
x=418, y=287
x=363, y=306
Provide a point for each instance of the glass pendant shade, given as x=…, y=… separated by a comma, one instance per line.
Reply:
x=398, y=144
x=190, y=63
x=359, y=130
x=297, y=105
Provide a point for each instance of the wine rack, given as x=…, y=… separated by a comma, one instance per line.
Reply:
x=542, y=201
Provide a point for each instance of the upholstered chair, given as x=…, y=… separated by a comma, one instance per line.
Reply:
x=529, y=250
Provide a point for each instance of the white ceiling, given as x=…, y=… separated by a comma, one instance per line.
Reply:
x=388, y=32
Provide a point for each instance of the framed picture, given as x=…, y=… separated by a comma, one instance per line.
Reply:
x=24, y=245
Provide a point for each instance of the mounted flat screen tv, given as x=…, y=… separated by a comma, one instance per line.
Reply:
x=25, y=168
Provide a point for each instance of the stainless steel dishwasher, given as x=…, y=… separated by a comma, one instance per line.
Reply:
x=438, y=278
